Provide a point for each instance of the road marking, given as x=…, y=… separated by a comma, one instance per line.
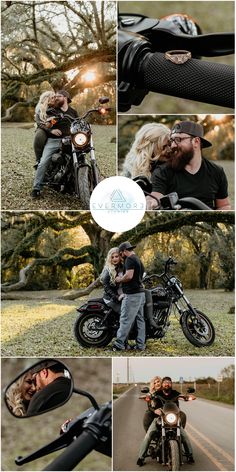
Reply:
x=221, y=451
x=207, y=453
x=122, y=394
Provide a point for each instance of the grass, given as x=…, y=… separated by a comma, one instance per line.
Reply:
x=209, y=16
x=45, y=328
x=18, y=173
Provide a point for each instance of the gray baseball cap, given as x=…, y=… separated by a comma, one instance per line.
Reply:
x=192, y=128
x=126, y=245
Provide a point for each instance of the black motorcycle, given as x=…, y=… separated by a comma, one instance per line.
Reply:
x=167, y=444
x=163, y=56
x=70, y=170
x=91, y=430
x=97, y=323
x=172, y=200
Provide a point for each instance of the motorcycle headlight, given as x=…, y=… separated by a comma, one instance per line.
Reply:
x=171, y=418
x=80, y=139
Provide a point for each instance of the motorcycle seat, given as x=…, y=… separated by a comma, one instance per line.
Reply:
x=100, y=300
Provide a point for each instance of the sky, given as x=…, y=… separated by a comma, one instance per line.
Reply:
x=143, y=369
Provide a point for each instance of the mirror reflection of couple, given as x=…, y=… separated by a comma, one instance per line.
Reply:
x=173, y=161
x=123, y=292
x=39, y=389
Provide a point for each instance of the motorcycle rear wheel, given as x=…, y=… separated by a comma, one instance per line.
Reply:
x=86, y=333
x=173, y=453
x=85, y=185
x=199, y=333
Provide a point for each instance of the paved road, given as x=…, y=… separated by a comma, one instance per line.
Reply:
x=210, y=427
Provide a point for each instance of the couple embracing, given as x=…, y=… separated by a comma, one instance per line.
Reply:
x=122, y=281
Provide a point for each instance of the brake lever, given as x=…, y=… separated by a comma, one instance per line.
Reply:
x=164, y=36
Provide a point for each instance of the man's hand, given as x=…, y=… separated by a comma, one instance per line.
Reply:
x=157, y=411
x=121, y=296
x=151, y=203
x=56, y=132
x=118, y=279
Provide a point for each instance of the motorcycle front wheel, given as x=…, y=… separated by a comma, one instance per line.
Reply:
x=200, y=332
x=88, y=333
x=173, y=455
x=85, y=186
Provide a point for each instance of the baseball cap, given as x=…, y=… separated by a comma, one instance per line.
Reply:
x=192, y=128
x=126, y=245
x=65, y=94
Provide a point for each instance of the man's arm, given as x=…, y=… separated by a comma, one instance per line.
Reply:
x=151, y=203
x=223, y=204
x=126, y=277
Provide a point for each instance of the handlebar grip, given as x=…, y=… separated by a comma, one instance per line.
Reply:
x=74, y=453
x=198, y=80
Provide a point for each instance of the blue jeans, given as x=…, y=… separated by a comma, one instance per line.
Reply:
x=131, y=310
x=50, y=147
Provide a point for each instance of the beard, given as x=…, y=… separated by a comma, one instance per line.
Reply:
x=178, y=160
x=167, y=390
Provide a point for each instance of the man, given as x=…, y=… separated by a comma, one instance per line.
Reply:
x=53, y=388
x=188, y=173
x=57, y=132
x=167, y=393
x=134, y=298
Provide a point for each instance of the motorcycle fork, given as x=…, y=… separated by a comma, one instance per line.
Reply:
x=75, y=166
x=93, y=162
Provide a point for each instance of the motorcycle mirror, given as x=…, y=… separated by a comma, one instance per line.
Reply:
x=145, y=390
x=103, y=100
x=190, y=390
x=44, y=386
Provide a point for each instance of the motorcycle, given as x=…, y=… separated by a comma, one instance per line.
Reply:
x=172, y=200
x=89, y=431
x=97, y=323
x=163, y=56
x=69, y=170
x=167, y=444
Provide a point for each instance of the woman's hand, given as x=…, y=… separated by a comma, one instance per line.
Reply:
x=121, y=296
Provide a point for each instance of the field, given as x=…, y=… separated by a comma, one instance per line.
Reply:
x=18, y=173
x=45, y=328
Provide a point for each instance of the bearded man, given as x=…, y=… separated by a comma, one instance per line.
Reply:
x=187, y=172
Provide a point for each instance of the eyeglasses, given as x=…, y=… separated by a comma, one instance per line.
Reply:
x=178, y=140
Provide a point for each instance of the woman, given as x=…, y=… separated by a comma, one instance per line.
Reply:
x=113, y=267
x=20, y=393
x=149, y=415
x=150, y=148
x=43, y=110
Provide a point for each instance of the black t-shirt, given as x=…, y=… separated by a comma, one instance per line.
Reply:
x=208, y=184
x=63, y=124
x=172, y=396
x=135, y=284
x=50, y=396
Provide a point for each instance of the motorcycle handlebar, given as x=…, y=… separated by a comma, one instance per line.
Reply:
x=74, y=453
x=198, y=80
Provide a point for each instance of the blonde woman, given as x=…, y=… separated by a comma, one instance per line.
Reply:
x=112, y=267
x=149, y=149
x=20, y=393
x=43, y=110
x=149, y=415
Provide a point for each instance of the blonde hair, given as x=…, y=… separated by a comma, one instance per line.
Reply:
x=152, y=388
x=42, y=105
x=108, y=266
x=146, y=148
x=15, y=398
